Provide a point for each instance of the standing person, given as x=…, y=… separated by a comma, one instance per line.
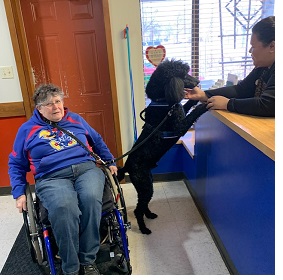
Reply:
x=254, y=95
x=67, y=180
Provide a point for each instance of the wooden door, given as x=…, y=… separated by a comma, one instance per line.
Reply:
x=67, y=47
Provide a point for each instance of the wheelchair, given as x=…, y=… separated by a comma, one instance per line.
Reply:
x=113, y=254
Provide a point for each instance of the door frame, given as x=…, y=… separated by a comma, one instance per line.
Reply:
x=23, y=63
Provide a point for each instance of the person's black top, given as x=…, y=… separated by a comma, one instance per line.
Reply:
x=254, y=95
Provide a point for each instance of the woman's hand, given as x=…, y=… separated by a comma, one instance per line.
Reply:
x=217, y=102
x=195, y=94
x=21, y=203
x=113, y=169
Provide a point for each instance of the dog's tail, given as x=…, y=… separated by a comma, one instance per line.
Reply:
x=121, y=173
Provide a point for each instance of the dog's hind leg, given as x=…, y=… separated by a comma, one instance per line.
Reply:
x=149, y=214
x=141, y=210
x=121, y=173
x=139, y=214
x=143, y=183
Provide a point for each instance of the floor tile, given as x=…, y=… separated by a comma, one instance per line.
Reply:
x=180, y=243
x=205, y=259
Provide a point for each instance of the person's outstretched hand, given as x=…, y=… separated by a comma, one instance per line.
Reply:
x=195, y=94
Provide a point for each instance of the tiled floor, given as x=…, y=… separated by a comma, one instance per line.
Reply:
x=180, y=243
x=11, y=222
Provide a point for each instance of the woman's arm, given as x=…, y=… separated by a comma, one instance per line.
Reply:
x=19, y=165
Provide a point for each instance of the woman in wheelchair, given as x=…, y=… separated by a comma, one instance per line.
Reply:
x=68, y=181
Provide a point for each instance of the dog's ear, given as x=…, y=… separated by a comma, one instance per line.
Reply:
x=174, y=90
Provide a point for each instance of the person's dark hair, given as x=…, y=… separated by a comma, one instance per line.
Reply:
x=44, y=92
x=265, y=30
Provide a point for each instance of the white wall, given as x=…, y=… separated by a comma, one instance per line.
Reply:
x=122, y=12
x=125, y=12
x=10, y=90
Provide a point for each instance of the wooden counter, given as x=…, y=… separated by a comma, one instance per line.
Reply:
x=258, y=131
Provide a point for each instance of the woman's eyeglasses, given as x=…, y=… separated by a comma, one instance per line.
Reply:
x=50, y=104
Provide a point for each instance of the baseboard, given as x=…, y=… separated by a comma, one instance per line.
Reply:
x=221, y=248
x=175, y=176
x=7, y=190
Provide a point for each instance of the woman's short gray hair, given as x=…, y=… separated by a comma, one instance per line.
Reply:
x=44, y=92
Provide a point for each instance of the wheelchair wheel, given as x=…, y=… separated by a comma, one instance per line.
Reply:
x=119, y=243
x=118, y=194
x=30, y=218
x=121, y=265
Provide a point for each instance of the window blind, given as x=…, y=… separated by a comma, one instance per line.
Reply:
x=212, y=36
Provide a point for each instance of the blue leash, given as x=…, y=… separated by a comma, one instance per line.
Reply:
x=127, y=36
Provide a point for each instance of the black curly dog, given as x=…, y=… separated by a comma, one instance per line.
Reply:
x=166, y=90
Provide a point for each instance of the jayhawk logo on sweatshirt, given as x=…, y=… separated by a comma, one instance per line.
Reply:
x=58, y=140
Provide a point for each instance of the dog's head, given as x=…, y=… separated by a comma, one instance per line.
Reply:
x=169, y=80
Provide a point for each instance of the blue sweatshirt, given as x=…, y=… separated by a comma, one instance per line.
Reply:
x=42, y=149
